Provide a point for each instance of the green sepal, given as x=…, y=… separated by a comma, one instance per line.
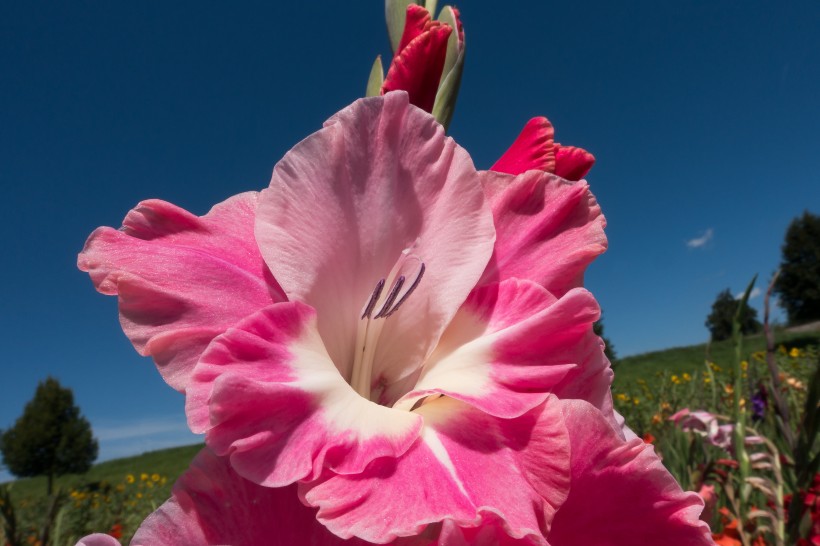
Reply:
x=395, y=12
x=445, y=103
x=376, y=79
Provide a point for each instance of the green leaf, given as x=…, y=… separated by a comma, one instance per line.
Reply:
x=395, y=12
x=376, y=79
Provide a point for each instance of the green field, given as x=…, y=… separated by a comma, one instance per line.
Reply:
x=691, y=359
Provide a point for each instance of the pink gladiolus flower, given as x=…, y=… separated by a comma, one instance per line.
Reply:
x=419, y=60
x=401, y=338
x=535, y=148
x=705, y=424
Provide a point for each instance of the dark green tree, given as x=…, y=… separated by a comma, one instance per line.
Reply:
x=51, y=438
x=798, y=285
x=609, y=349
x=723, y=312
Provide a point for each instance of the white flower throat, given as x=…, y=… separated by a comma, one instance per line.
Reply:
x=381, y=305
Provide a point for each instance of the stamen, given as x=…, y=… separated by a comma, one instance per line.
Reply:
x=373, y=298
x=406, y=294
x=391, y=297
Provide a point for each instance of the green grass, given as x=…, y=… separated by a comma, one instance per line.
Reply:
x=166, y=462
x=691, y=359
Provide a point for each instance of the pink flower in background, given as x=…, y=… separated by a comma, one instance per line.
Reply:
x=401, y=338
x=705, y=424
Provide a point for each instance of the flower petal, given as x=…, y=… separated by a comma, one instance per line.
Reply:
x=468, y=468
x=98, y=539
x=621, y=494
x=572, y=163
x=213, y=505
x=344, y=204
x=267, y=394
x=416, y=21
x=533, y=149
x=548, y=230
x=509, y=346
x=174, y=273
x=418, y=67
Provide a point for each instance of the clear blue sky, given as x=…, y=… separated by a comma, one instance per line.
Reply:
x=703, y=115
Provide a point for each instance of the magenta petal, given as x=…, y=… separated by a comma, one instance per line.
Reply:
x=572, y=163
x=417, y=20
x=510, y=345
x=418, y=66
x=267, y=394
x=174, y=273
x=467, y=468
x=212, y=505
x=547, y=229
x=532, y=150
x=380, y=178
x=621, y=494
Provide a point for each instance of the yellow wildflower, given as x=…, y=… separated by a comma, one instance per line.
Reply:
x=129, y=478
x=687, y=377
x=154, y=477
x=657, y=419
x=666, y=406
x=729, y=389
x=622, y=397
x=744, y=364
x=675, y=379
x=144, y=477
x=707, y=380
x=795, y=352
x=636, y=401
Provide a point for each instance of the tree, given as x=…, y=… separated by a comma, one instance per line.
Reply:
x=798, y=285
x=719, y=321
x=51, y=438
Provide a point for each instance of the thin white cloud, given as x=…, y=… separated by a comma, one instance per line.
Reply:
x=698, y=242
x=752, y=295
x=139, y=429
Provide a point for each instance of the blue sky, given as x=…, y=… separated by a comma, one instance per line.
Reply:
x=703, y=116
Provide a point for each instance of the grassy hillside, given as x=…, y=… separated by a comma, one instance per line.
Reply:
x=168, y=463
x=691, y=359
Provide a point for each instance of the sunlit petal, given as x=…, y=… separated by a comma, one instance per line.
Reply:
x=267, y=394
x=467, y=468
x=181, y=279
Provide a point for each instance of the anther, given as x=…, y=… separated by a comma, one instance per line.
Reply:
x=391, y=297
x=373, y=298
x=385, y=312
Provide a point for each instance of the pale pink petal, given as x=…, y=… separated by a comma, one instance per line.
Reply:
x=620, y=493
x=510, y=345
x=572, y=163
x=532, y=150
x=548, y=230
x=181, y=279
x=98, y=539
x=212, y=505
x=467, y=468
x=380, y=178
x=267, y=394
x=419, y=61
